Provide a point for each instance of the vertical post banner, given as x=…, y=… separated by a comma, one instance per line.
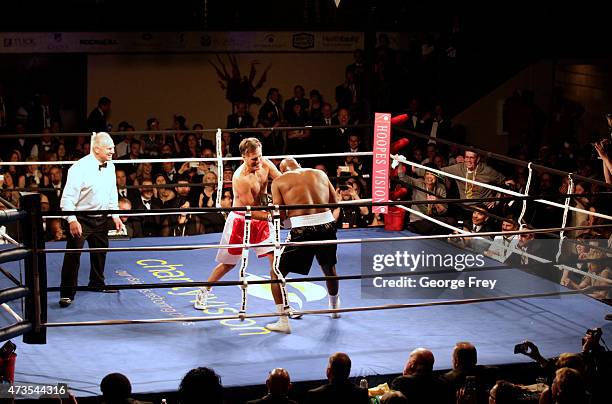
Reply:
x=380, y=168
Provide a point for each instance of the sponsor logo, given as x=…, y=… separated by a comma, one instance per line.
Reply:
x=57, y=37
x=270, y=38
x=105, y=42
x=147, y=36
x=303, y=41
x=341, y=40
x=19, y=42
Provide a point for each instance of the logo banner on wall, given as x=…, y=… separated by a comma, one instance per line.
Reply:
x=199, y=42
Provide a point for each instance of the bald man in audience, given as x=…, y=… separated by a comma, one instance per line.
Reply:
x=419, y=383
x=278, y=384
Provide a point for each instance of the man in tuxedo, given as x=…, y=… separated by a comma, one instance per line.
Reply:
x=241, y=118
x=56, y=181
x=97, y=120
x=122, y=190
x=151, y=225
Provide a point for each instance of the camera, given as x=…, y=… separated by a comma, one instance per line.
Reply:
x=343, y=187
x=594, y=332
x=521, y=348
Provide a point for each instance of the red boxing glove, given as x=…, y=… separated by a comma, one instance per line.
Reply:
x=399, y=145
x=399, y=194
x=400, y=119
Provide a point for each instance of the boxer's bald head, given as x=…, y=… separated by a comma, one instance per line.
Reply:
x=289, y=164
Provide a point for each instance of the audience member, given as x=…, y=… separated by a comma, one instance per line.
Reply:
x=339, y=389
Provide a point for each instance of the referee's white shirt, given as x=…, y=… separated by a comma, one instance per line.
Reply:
x=90, y=187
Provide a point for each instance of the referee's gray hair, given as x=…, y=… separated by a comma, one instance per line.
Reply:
x=99, y=138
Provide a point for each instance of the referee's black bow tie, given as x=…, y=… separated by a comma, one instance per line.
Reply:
x=101, y=166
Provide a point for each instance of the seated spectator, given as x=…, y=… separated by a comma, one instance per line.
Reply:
x=465, y=360
x=122, y=190
x=600, y=268
x=150, y=224
x=208, y=196
x=181, y=225
x=32, y=177
x=278, y=385
x=339, y=389
x=350, y=216
x=7, y=189
x=133, y=226
x=201, y=385
x=143, y=172
x=478, y=224
x=504, y=245
x=427, y=189
x=504, y=393
x=184, y=192
x=116, y=389
x=567, y=388
x=419, y=384
x=168, y=168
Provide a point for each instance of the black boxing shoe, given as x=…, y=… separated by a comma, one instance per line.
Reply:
x=65, y=302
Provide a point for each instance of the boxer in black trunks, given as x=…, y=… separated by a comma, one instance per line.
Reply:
x=299, y=186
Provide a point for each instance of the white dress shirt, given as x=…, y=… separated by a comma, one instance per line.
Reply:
x=89, y=187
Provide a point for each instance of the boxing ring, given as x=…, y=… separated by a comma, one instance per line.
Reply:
x=151, y=333
x=156, y=356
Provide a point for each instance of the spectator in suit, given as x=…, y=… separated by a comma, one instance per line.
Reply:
x=134, y=153
x=98, y=118
x=133, y=226
x=278, y=384
x=56, y=181
x=241, y=118
x=150, y=224
x=339, y=389
x=201, y=385
x=419, y=383
x=347, y=93
x=122, y=190
x=271, y=112
x=298, y=98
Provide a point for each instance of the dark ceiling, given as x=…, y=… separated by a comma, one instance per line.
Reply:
x=532, y=27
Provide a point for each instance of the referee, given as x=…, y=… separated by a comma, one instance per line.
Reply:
x=90, y=186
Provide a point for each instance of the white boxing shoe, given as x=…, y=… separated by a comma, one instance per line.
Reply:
x=201, y=300
x=282, y=325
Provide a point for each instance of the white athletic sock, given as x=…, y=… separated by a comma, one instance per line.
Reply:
x=333, y=300
x=281, y=309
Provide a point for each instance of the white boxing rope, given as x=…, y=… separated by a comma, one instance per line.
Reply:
x=570, y=190
x=527, y=186
x=402, y=159
x=218, y=139
x=10, y=311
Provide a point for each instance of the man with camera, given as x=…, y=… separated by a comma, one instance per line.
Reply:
x=593, y=363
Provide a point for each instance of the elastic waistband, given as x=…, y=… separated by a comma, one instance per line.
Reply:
x=312, y=220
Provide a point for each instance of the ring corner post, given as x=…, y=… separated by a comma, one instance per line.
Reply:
x=35, y=269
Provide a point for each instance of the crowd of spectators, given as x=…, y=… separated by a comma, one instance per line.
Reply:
x=576, y=378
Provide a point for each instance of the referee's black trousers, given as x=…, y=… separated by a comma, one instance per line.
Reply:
x=95, y=232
